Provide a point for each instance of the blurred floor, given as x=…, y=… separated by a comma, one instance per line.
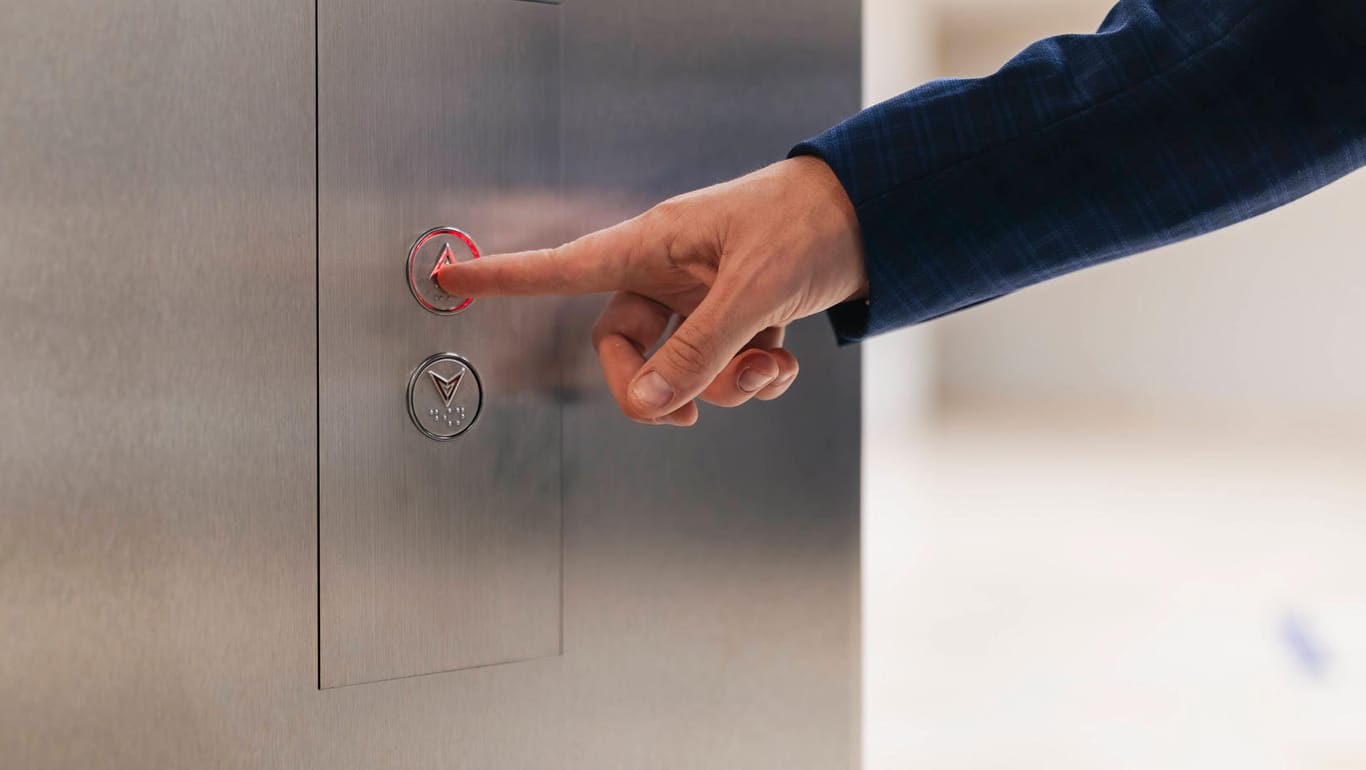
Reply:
x=1094, y=592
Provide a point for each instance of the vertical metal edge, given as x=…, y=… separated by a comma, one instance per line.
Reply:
x=562, y=363
x=317, y=347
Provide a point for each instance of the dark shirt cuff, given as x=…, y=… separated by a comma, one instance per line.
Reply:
x=856, y=320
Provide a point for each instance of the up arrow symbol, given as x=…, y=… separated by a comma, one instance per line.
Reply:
x=446, y=258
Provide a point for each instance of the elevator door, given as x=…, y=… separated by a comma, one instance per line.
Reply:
x=226, y=537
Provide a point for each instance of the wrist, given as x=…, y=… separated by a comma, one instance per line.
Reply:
x=839, y=223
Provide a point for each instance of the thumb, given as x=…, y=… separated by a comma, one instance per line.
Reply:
x=693, y=356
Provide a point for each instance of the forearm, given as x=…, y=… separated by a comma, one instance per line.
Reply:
x=1178, y=118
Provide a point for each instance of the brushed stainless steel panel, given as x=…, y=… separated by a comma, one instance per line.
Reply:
x=435, y=556
x=157, y=419
x=719, y=564
x=158, y=434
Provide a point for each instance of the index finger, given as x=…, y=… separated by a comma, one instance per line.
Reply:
x=594, y=263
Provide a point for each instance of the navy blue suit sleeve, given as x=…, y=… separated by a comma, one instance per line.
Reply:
x=1177, y=118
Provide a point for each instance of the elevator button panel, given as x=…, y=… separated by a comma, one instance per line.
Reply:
x=435, y=249
x=439, y=494
x=444, y=396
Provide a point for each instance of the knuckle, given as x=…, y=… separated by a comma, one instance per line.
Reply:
x=667, y=213
x=687, y=354
x=557, y=260
x=663, y=226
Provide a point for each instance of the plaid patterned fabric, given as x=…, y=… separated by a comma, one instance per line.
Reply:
x=1178, y=117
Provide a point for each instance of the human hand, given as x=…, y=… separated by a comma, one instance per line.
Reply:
x=738, y=261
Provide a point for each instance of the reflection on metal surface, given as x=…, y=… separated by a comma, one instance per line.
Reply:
x=437, y=403
x=437, y=248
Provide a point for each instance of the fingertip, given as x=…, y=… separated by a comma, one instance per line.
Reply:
x=755, y=373
x=788, y=371
x=776, y=389
x=746, y=375
x=650, y=394
x=685, y=416
x=450, y=282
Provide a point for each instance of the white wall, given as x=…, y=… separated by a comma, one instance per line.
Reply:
x=899, y=53
x=898, y=387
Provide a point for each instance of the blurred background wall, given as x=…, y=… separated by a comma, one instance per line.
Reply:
x=1119, y=519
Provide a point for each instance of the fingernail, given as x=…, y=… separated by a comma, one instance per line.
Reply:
x=751, y=381
x=652, y=391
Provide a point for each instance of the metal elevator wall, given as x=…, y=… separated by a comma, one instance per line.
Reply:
x=159, y=363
